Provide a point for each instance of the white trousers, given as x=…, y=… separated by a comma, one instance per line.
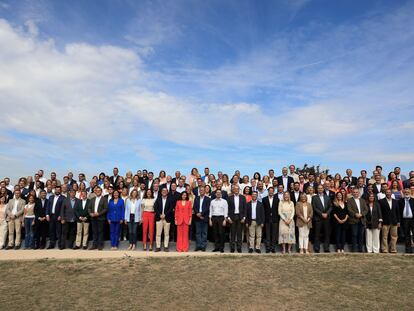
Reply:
x=303, y=237
x=373, y=243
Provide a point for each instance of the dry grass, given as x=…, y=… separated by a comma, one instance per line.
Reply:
x=324, y=282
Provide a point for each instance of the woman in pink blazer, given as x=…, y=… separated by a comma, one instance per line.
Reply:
x=183, y=210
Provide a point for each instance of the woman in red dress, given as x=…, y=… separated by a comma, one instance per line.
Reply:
x=183, y=210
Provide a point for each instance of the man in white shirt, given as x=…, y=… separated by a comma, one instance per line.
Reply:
x=407, y=209
x=218, y=215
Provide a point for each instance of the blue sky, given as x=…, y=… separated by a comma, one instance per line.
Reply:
x=249, y=85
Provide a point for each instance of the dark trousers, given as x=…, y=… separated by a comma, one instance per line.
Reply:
x=98, y=232
x=55, y=231
x=236, y=233
x=357, y=236
x=340, y=236
x=132, y=230
x=408, y=227
x=272, y=233
x=124, y=231
x=323, y=224
x=218, y=232
x=68, y=232
x=40, y=233
x=201, y=233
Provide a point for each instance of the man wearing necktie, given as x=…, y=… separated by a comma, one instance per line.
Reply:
x=407, y=216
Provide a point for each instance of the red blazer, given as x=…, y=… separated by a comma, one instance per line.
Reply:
x=183, y=213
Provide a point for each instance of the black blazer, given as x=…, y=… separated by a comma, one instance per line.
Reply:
x=271, y=214
x=39, y=209
x=373, y=219
x=57, y=207
x=231, y=207
x=205, y=209
x=331, y=195
x=280, y=181
x=353, y=180
x=114, y=181
x=401, y=203
x=318, y=208
x=102, y=208
x=168, y=210
x=390, y=216
x=307, y=185
x=80, y=212
x=260, y=216
x=293, y=198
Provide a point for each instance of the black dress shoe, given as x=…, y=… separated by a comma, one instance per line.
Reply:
x=166, y=249
x=157, y=249
x=232, y=250
x=250, y=250
x=273, y=251
x=85, y=247
x=76, y=247
x=92, y=248
x=258, y=251
x=267, y=251
x=17, y=247
x=222, y=251
x=52, y=246
x=239, y=250
x=215, y=250
x=9, y=247
x=203, y=249
x=327, y=251
x=100, y=248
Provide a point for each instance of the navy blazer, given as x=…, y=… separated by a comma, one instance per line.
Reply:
x=390, y=216
x=205, y=209
x=401, y=202
x=260, y=214
x=168, y=209
x=319, y=208
x=232, y=207
x=57, y=207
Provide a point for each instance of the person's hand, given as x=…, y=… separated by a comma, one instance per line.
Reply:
x=33, y=222
x=47, y=218
x=230, y=221
x=224, y=223
x=398, y=225
x=12, y=217
x=242, y=221
x=324, y=215
x=62, y=221
x=59, y=218
x=189, y=223
x=262, y=225
x=109, y=222
x=199, y=215
x=210, y=223
x=380, y=226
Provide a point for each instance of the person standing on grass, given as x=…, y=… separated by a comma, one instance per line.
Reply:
x=201, y=209
x=340, y=219
x=271, y=205
x=3, y=222
x=133, y=217
x=82, y=221
x=28, y=223
x=255, y=219
x=236, y=217
x=357, y=210
x=218, y=216
x=322, y=208
x=183, y=213
x=68, y=218
x=41, y=225
x=115, y=216
x=373, y=224
x=164, y=213
x=148, y=219
x=14, y=217
x=407, y=217
x=391, y=221
x=304, y=214
x=286, y=212
x=97, y=210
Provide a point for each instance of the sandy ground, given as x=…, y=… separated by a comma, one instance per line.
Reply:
x=122, y=252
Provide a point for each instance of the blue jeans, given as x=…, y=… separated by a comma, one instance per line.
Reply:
x=132, y=232
x=29, y=233
x=115, y=230
x=201, y=234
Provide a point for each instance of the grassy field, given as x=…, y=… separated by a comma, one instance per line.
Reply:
x=326, y=282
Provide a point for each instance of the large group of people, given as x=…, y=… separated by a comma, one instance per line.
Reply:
x=306, y=210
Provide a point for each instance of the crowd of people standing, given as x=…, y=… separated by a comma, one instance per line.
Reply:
x=308, y=210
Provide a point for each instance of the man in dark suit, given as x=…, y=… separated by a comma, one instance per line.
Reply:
x=352, y=179
x=114, y=178
x=272, y=218
x=311, y=183
x=328, y=191
x=41, y=224
x=68, y=219
x=255, y=219
x=201, y=210
x=407, y=217
x=357, y=209
x=236, y=218
x=390, y=221
x=410, y=181
x=150, y=181
x=285, y=180
x=322, y=208
x=164, y=213
x=53, y=216
x=295, y=194
x=97, y=211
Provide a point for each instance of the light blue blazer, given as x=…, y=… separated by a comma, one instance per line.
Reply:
x=137, y=210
